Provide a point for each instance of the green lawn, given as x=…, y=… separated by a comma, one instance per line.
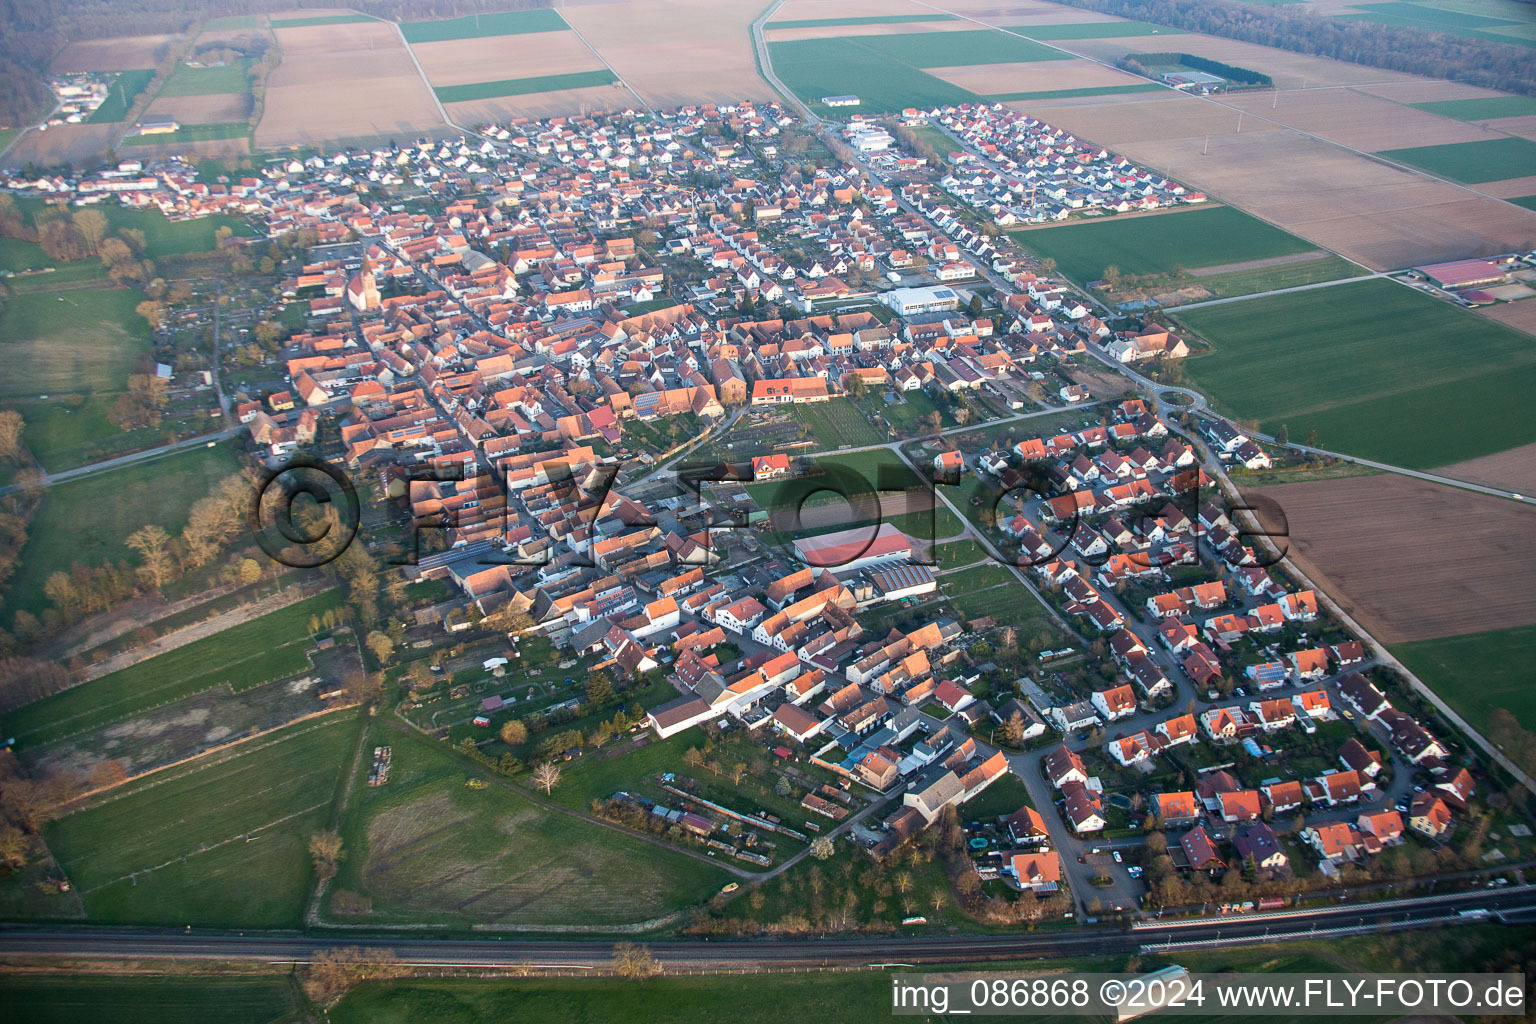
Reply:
x=82, y=340
x=16, y=254
x=183, y=833
x=87, y=520
x=1478, y=672
x=837, y=423
x=193, y=133
x=1484, y=109
x=426, y=847
x=1064, y=94
x=332, y=19
x=887, y=19
x=124, y=91
x=1003, y=797
x=126, y=999
x=1471, y=162
x=478, y=26
x=250, y=654
x=64, y=436
x=1378, y=370
x=1160, y=244
x=1096, y=30
x=524, y=86
x=185, y=81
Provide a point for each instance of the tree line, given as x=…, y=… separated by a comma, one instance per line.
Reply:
x=1492, y=65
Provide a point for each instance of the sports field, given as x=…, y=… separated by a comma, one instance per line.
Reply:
x=124, y=91
x=1485, y=109
x=1478, y=672
x=428, y=848
x=885, y=71
x=524, y=86
x=187, y=81
x=247, y=655
x=1160, y=244
x=1377, y=369
x=477, y=26
x=1472, y=162
x=219, y=842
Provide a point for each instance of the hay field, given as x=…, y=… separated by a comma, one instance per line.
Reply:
x=1381, y=216
x=1511, y=188
x=1356, y=120
x=1411, y=559
x=1524, y=126
x=1512, y=470
x=676, y=52
x=214, y=108
x=344, y=81
x=529, y=55
x=501, y=109
x=1421, y=90
x=122, y=53
x=1035, y=76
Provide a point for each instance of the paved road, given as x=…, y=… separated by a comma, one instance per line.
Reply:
x=114, y=944
x=129, y=460
x=1273, y=291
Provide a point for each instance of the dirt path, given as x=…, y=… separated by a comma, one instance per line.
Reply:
x=1273, y=261
x=201, y=630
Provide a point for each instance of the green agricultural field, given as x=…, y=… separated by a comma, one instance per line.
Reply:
x=250, y=654
x=87, y=520
x=887, y=19
x=1377, y=369
x=1065, y=94
x=478, y=26
x=85, y=339
x=330, y=19
x=219, y=842
x=124, y=91
x=1095, y=30
x=185, y=81
x=524, y=86
x=126, y=999
x=426, y=847
x=837, y=423
x=193, y=133
x=814, y=68
x=1529, y=202
x=958, y=49
x=1425, y=16
x=1471, y=162
x=1485, y=109
x=1479, y=672
x=1161, y=243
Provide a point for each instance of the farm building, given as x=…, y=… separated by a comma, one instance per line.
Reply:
x=839, y=101
x=1464, y=274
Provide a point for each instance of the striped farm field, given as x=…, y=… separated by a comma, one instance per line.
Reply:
x=478, y=26
x=1377, y=369
x=524, y=86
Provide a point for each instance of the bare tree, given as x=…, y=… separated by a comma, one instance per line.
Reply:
x=631, y=960
x=546, y=775
x=154, y=547
x=822, y=848
x=11, y=426
x=325, y=848
x=334, y=972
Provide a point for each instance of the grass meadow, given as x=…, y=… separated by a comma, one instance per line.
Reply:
x=219, y=842
x=1160, y=244
x=250, y=654
x=426, y=847
x=1377, y=369
x=1478, y=672
x=1471, y=162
